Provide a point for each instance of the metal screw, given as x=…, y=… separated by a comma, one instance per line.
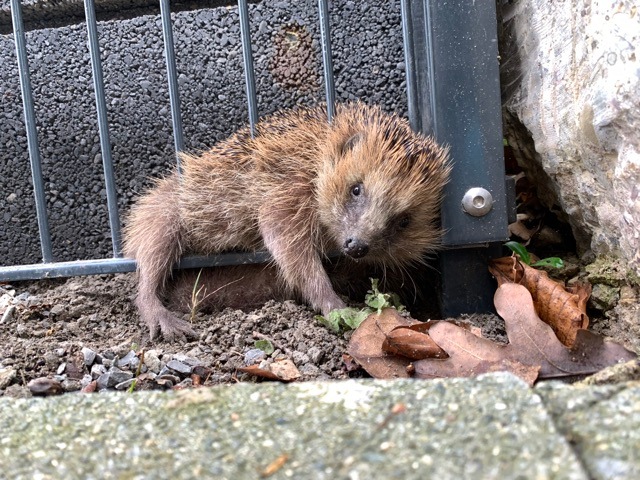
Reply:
x=477, y=201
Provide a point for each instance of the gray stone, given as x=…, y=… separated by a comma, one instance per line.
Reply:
x=71, y=385
x=7, y=375
x=152, y=361
x=86, y=380
x=179, y=367
x=97, y=370
x=57, y=310
x=88, y=355
x=8, y=314
x=604, y=297
x=315, y=354
x=187, y=359
x=491, y=427
x=113, y=377
x=126, y=360
x=253, y=356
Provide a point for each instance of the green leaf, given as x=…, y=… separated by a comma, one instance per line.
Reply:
x=353, y=317
x=344, y=318
x=331, y=324
x=519, y=250
x=396, y=302
x=553, y=262
x=265, y=345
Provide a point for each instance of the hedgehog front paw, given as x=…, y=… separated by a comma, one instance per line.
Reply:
x=172, y=328
x=332, y=304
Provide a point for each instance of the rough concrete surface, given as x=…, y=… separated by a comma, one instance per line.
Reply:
x=571, y=77
x=490, y=427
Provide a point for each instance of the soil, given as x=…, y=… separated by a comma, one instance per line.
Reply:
x=57, y=326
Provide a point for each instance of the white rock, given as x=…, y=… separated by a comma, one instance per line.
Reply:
x=578, y=93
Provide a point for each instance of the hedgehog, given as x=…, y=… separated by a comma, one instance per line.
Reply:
x=363, y=185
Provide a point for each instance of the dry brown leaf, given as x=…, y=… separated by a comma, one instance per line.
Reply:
x=521, y=230
x=412, y=342
x=283, y=370
x=259, y=372
x=532, y=343
x=565, y=311
x=349, y=363
x=366, y=342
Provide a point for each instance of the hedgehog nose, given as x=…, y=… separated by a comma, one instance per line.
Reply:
x=356, y=248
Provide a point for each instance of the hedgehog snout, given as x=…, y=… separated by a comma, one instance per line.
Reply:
x=355, y=247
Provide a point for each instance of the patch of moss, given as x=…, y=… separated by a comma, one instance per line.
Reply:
x=611, y=271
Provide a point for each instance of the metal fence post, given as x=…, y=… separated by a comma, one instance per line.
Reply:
x=454, y=93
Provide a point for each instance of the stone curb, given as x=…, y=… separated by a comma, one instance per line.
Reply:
x=490, y=427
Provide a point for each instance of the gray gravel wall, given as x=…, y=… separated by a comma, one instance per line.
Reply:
x=368, y=61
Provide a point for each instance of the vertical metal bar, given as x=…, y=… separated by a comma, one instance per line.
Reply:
x=419, y=67
x=247, y=56
x=409, y=61
x=32, y=134
x=103, y=127
x=327, y=60
x=172, y=74
x=431, y=68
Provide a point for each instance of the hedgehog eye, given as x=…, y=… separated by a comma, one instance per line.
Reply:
x=404, y=221
x=357, y=189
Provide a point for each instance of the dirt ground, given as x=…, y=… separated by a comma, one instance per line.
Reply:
x=73, y=331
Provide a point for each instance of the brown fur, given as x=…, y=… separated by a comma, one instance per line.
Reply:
x=291, y=190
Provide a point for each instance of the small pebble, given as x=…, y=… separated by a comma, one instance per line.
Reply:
x=57, y=310
x=7, y=375
x=97, y=370
x=70, y=385
x=152, y=361
x=45, y=387
x=8, y=314
x=179, y=367
x=167, y=376
x=126, y=360
x=89, y=356
x=253, y=356
x=113, y=377
x=125, y=385
x=315, y=354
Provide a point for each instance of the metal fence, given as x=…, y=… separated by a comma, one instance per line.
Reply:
x=452, y=91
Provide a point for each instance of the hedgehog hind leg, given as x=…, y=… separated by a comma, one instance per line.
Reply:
x=153, y=237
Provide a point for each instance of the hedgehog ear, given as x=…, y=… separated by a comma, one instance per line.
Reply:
x=351, y=142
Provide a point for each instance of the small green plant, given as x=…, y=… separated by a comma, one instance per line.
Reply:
x=525, y=257
x=132, y=387
x=350, y=318
x=265, y=345
x=377, y=300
